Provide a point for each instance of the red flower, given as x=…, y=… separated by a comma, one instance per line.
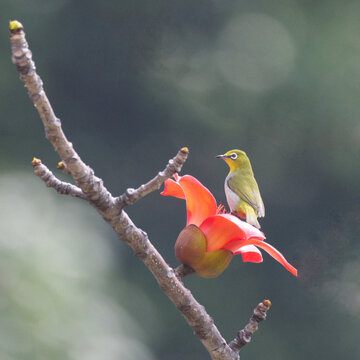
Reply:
x=211, y=237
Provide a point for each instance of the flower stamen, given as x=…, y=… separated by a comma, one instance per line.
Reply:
x=221, y=209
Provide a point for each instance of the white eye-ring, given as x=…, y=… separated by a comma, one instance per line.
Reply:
x=233, y=156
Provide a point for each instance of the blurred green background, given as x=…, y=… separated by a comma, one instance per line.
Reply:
x=132, y=82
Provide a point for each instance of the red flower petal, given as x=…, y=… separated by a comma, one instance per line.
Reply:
x=200, y=203
x=265, y=246
x=250, y=253
x=222, y=229
x=173, y=188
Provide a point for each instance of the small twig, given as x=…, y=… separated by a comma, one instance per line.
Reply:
x=174, y=165
x=183, y=270
x=52, y=181
x=244, y=336
x=63, y=168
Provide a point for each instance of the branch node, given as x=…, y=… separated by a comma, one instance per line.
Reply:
x=183, y=270
x=35, y=162
x=63, y=168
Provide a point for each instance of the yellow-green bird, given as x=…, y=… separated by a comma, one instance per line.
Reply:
x=241, y=189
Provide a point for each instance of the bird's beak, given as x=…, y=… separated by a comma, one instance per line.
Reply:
x=221, y=156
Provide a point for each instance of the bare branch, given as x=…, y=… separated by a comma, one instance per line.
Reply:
x=194, y=313
x=244, y=336
x=174, y=166
x=51, y=180
x=83, y=175
x=62, y=167
x=91, y=188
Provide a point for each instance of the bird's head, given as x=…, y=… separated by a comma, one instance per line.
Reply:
x=236, y=159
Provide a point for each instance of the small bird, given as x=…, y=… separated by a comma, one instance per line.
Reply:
x=241, y=189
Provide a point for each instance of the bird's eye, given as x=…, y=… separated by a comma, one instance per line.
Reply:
x=233, y=156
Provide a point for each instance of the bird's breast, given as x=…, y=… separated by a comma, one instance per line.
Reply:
x=232, y=199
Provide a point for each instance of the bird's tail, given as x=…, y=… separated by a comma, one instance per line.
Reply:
x=251, y=218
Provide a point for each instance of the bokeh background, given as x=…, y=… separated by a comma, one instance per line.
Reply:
x=132, y=82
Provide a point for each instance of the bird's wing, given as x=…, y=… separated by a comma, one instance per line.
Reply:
x=249, y=194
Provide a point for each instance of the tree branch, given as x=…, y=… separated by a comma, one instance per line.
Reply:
x=183, y=270
x=83, y=175
x=174, y=166
x=244, y=336
x=63, y=168
x=51, y=180
x=91, y=188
